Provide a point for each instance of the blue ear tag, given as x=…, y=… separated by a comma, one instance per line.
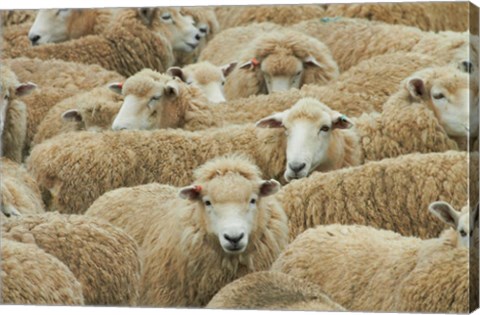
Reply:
x=343, y=118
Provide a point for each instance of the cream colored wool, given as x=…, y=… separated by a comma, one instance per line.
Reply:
x=271, y=290
x=31, y=276
x=370, y=270
x=427, y=16
x=96, y=108
x=390, y=194
x=16, y=17
x=104, y=259
x=130, y=158
x=376, y=38
x=20, y=194
x=232, y=16
x=126, y=46
x=185, y=265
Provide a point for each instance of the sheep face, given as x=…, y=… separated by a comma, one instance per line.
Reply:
x=459, y=220
x=7, y=94
x=309, y=126
x=447, y=93
x=148, y=103
x=230, y=206
x=184, y=35
x=208, y=77
x=54, y=26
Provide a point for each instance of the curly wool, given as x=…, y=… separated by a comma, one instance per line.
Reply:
x=102, y=257
x=386, y=271
x=389, y=194
x=31, y=276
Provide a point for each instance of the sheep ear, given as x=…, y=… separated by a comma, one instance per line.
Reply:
x=147, y=14
x=445, y=212
x=171, y=89
x=228, y=68
x=269, y=187
x=176, y=72
x=416, y=87
x=341, y=121
x=25, y=88
x=72, y=115
x=272, y=121
x=311, y=61
x=190, y=192
x=116, y=87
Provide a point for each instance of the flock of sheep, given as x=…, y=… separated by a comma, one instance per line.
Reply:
x=303, y=157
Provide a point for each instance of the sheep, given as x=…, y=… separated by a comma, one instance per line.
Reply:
x=20, y=194
x=386, y=271
x=375, y=193
x=233, y=16
x=102, y=257
x=13, y=114
x=273, y=291
x=127, y=164
x=235, y=229
x=275, y=61
x=206, y=76
x=376, y=38
x=206, y=22
x=92, y=110
x=127, y=45
x=426, y=16
x=31, y=276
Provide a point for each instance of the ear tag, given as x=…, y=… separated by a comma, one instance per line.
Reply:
x=343, y=118
x=255, y=62
x=197, y=188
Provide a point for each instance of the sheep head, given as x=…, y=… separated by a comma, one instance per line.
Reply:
x=288, y=59
x=311, y=128
x=170, y=22
x=149, y=101
x=208, y=77
x=448, y=93
x=459, y=220
x=231, y=198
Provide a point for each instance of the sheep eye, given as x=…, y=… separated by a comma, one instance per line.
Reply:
x=155, y=98
x=5, y=97
x=463, y=234
x=167, y=16
x=223, y=82
x=325, y=129
x=253, y=201
x=438, y=96
x=208, y=203
x=298, y=73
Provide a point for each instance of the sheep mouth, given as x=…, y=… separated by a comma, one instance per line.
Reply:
x=234, y=249
x=193, y=46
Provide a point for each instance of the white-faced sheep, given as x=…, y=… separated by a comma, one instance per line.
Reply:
x=113, y=165
x=376, y=38
x=386, y=271
x=275, y=61
x=20, y=194
x=232, y=16
x=127, y=45
x=208, y=234
x=389, y=194
x=273, y=291
x=206, y=76
x=13, y=114
x=428, y=16
x=103, y=258
x=31, y=276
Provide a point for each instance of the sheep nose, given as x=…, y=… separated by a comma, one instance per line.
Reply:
x=34, y=39
x=468, y=66
x=197, y=37
x=233, y=239
x=296, y=167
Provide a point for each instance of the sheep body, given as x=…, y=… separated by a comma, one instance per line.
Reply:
x=273, y=291
x=103, y=258
x=385, y=271
x=389, y=194
x=31, y=276
x=20, y=192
